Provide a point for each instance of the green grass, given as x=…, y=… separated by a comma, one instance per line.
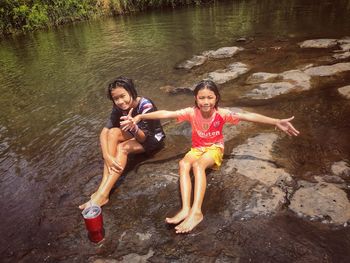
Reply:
x=28, y=15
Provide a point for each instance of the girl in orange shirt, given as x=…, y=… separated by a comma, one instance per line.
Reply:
x=207, y=121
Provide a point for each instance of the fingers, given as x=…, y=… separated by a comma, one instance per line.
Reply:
x=116, y=167
x=294, y=131
x=130, y=111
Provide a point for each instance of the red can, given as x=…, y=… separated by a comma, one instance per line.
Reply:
x=94, y=223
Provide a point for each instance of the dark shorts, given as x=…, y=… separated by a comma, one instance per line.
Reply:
x=152, y=145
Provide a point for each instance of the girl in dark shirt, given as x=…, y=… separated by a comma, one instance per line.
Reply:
x=116, y=144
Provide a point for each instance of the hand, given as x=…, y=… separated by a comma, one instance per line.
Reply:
x=128, y=122
x=112, y=165
x=287, y=127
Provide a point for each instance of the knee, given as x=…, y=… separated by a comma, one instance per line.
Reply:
x=114, y=134
x=184, y=164
x=197, y=166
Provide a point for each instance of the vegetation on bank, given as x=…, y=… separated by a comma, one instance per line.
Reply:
x=28, y=15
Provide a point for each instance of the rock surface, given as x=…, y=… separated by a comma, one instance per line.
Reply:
x=341, y=168
x=233, y=71
x=194, y=61
x=322, y=201
x=224, y=52
x=329, y=70
x=261, y=77
x=318, y=43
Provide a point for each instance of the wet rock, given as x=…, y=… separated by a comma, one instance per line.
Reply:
x=342, y=55
x=233, y=71
x=255, y=185
x=254, y=160
x=171, y=177
x=266, y=204
x=341, y=168
x=197, y=60
x=231, y=131
x=345, y=46
x=193, y=62
x=270, y=90
x=133, y=257
x=304, y=67
x=318, y=43
x=183, y=129
x=261, y=77
x=345, y=91
x=322, y=200
x=241, y=39
x=176, y=90
x=293, y=80
x=224, y=52
x=328, y=70
x=297, y=77
x=330, y=179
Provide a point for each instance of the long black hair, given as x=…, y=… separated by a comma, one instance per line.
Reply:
x=125, y=83
x=210, y=85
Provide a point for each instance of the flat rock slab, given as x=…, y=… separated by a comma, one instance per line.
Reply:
x=344, y=55
x=261, y=77
x=233, y=71
x=318, y=43
x=341, y=168
x=193, y=62
x=292, y=81
x=224, y=52
x=328, y=70
x=252, y=179
x=345, y=46
x=197, y=60
x=254, y=160
x=322, y=200
x=270, y=90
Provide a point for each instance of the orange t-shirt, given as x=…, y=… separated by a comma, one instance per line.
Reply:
x=207, y=132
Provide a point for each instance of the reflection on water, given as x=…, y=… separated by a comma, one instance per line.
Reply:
x=53, y=103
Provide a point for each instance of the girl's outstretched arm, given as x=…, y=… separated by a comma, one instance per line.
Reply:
x=129, y=122
x=282, y=124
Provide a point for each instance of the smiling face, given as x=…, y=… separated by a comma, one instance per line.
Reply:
x=121, y=98
x=206, y=100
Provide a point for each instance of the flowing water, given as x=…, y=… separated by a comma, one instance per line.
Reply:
x=53, y=101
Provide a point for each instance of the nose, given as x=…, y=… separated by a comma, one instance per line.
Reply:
x=118, y=101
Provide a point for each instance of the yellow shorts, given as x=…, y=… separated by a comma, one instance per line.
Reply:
x=215, y=152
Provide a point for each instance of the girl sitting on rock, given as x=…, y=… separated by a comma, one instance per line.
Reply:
x=207, y=121
x=116, y=143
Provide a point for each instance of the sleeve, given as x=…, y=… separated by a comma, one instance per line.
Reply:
x=230, y=116
x=114, y=119
x=147, y=126
x=184, y=114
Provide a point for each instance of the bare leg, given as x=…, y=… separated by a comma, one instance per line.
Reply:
x=115, y=137
x=195, y=216
x=185, y=187
x=123, y=149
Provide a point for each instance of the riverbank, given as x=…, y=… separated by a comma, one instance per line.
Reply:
x=23, y=16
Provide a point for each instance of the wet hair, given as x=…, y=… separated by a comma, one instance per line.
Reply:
x=210, y=85
x=125, y=83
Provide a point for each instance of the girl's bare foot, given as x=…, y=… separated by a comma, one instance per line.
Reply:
x=191, y=222
x=181, y=215
x=97, y=199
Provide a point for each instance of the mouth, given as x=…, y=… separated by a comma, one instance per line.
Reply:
x=123, y=106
